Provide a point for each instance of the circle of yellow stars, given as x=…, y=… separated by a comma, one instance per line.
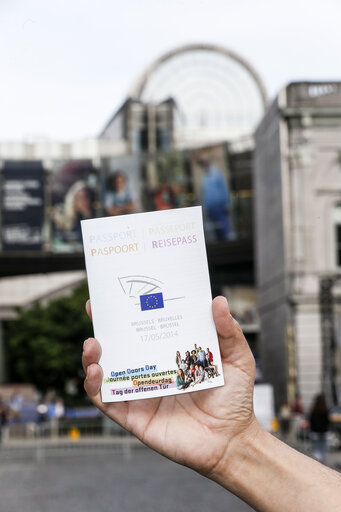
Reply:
x=155, y=303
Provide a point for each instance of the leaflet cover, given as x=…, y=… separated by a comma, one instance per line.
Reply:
x=151, y=304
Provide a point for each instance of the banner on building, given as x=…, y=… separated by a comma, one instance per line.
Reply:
x=73, y=198
x=22, y=206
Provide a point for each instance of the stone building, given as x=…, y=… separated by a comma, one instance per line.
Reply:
x=297, y=186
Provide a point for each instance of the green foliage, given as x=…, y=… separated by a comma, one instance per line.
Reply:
x=44, y=344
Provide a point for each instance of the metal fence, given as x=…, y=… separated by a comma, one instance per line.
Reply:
x=36, y=441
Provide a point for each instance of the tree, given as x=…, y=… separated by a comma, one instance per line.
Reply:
x=44, y=344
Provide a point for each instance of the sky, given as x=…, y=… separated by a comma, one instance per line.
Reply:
x=67, y=65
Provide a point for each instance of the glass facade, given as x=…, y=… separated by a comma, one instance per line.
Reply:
x=216, y=95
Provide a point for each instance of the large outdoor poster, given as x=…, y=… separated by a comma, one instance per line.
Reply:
x=74, y=198
x=22, y=206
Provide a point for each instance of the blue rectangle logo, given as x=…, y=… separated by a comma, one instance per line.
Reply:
x=151, y=301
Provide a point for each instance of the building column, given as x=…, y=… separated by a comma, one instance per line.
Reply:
x=308, y=351
x=151, y=114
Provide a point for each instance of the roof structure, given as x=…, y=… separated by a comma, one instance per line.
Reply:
x=22, y=291
x=219, y=95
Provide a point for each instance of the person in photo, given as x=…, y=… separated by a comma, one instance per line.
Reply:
x=202, y=357
x=118, y=199
x=200, y=374
x=178, y=359
x=209, y=361
x=189, y=376
x=210, y=369
x=181, y=380
x=188, y=359
x=194, y=356
x=183, y=365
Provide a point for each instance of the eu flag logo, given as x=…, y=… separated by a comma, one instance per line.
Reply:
x=151, y=301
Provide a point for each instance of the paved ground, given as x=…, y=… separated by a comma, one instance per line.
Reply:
x=117, y=479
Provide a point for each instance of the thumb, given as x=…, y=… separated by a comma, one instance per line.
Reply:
x=233, y=345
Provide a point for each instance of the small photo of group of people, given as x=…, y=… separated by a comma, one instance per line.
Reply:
x=195, y=367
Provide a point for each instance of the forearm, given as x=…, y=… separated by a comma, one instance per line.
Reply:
x=270, y=476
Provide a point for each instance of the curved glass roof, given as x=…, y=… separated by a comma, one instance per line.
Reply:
x=218, y=95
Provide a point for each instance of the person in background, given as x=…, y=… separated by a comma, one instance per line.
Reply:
x=238, y=453
x=3, y=418
x=42, y=416
x=56, y=413
x=298, y=406
x=118, y=199
x=59, y=408
x=216, y=199
x=15, y=406
x=299, y=420
x=319, y=423
x=285, y=419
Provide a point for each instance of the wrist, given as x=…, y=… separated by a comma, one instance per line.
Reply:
x=231, y=469
x=265, y=472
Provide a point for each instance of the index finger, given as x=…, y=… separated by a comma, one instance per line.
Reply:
x=91, y=353
x=88, y=309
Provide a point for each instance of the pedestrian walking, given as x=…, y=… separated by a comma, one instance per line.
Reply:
x=3, y=418
x=319, y=424
x=285, y=419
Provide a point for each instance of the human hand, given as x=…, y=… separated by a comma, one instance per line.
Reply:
x=198, y=429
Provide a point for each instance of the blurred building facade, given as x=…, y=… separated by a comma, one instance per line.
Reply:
x=297, y=179
x=216, y=94
x=194, y=103
x=142, y=127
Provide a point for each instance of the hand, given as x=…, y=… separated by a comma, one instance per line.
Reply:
x=196, y=429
